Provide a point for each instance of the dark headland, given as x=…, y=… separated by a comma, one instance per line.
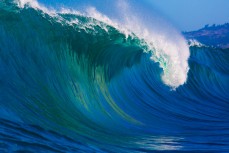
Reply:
x=214, y=35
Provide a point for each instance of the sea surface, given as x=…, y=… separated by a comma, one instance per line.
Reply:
x=70, y=82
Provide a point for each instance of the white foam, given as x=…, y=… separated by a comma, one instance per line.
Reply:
x=34, y=4
x=22, y=3
x=194, y=42
x=92, y=12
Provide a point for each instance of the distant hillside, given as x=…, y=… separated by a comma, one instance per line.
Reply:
x=215, y=35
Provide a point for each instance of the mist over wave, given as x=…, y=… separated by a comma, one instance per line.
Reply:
x=83, y=81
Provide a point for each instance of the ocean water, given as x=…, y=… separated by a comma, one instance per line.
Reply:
x=74, y=82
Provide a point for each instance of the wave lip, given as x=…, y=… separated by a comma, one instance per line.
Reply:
x=171, y=52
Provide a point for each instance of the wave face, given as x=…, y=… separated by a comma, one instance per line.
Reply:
x=72, y=83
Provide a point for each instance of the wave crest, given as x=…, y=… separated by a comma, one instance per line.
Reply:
x=166, y=46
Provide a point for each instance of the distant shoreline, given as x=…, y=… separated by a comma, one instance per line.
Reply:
x=214, y=35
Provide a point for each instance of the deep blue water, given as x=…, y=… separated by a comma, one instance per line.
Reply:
x=86, y=87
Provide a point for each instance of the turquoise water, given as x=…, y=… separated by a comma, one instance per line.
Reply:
x=86, y=86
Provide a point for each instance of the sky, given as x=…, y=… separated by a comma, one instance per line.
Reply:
x=185, y=15
x=193, y=14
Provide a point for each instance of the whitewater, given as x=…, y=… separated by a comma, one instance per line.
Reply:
x=81, y=81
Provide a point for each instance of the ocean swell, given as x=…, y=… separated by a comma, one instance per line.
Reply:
x=104, y=87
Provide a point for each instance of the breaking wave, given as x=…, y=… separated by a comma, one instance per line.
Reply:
x=73, y=81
